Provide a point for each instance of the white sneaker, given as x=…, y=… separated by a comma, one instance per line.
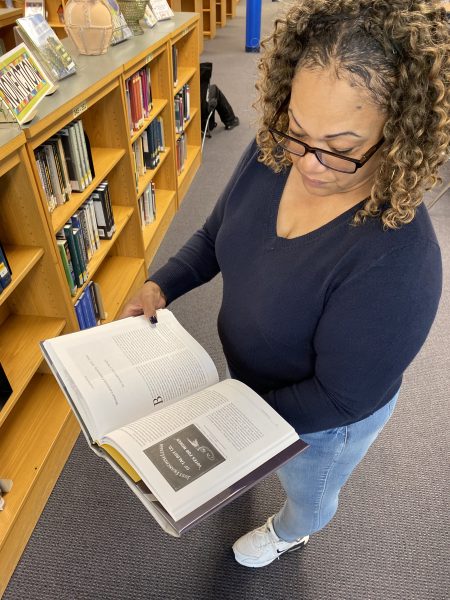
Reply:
x=261, y=546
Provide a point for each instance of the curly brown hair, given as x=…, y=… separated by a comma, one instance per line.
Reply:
x=397, y=50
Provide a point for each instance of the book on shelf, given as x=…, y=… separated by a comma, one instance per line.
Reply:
x=149, y=401
x=5, y=387
x=23, y=85
x=34, y=7
x=161, y=9
x=149, y=17
x=5, y=270
x=147, y=205
x=104, y=215
x=175, y=65
x=121, y=30
x=47, y=47
x=66, y=260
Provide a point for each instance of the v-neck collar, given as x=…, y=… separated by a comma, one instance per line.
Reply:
x=280, y=182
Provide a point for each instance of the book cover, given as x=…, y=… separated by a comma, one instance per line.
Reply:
x=161, y=9
x=121, y=31
x=23, y=84
x=43, y=41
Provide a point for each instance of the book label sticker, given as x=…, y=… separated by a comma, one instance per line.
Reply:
x=81, y=108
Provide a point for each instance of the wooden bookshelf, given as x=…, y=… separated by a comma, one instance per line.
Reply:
x=209, y=18
x=37, y=429
x=221, y=13
x=231, y=8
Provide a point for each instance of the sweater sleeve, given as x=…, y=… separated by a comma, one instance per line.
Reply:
x=195, y=263
x=372, y=327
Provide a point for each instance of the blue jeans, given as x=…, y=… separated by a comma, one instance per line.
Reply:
x=313, y=479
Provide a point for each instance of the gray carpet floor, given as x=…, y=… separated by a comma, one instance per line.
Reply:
x=389, y=539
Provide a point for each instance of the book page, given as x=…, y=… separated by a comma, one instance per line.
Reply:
x=191, y=451
x=122, y=371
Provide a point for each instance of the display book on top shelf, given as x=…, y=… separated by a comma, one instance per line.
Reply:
x=37, y=429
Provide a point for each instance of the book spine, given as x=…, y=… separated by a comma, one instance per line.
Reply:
x=68, y=188
x=90, y=289
x=68, y=233
x=80, y=183
x=90, y=306
x=56, y=186
x=81, y=251
x=84, y=151
x=84, y=166
x=68, y=268
x=5, y=269
x=91, y=209
x=99, y=298
x=80, y=315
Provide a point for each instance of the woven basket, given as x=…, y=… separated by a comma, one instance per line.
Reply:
x=133, y=11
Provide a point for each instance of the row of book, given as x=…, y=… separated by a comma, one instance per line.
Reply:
x=147, y=205
x=148, y=147
x=65, y=164
x=89, y=307
x=181, y=152
x=182, y=108
x=138, y=94
x=5, y=270
x=80, y=237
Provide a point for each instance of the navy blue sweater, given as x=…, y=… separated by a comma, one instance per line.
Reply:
x=322, y=325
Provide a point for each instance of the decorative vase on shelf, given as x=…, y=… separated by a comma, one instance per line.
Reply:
x=133, y=11
x=89, y=24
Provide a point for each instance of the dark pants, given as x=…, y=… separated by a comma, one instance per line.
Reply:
x=223, y=107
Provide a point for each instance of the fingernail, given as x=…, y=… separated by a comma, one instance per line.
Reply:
x=153, y=320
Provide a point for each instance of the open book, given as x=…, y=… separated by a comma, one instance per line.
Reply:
x=149, y=400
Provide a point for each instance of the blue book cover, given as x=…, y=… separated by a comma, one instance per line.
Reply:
x=80, y=315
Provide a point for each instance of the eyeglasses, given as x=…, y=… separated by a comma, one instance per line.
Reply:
x=328, y=159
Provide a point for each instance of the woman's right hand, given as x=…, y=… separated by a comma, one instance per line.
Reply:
x=146, y=302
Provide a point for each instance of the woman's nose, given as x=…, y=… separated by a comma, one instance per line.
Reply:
x=311, y=164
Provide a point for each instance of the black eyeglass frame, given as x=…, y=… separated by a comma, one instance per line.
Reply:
x=358, y=163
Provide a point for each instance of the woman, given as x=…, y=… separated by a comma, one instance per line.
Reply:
x=330, y=265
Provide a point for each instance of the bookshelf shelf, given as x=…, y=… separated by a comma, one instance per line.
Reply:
x=144, y=180
x=184, y=76
x=105, y=159
x=22, y=260
x=119, y=275
x=37, y=429
x=186, y=176
x=20, y=354
x=158, y=107
x=122, y=215
x=154, y=233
